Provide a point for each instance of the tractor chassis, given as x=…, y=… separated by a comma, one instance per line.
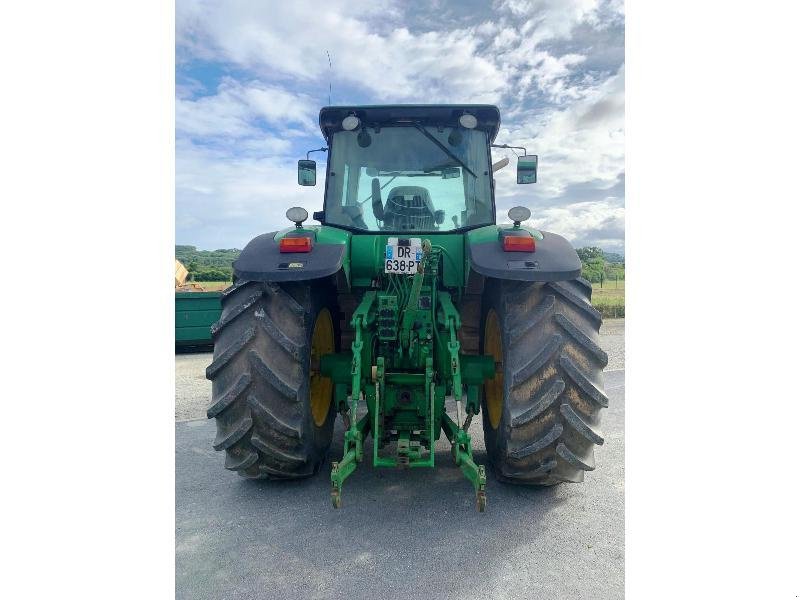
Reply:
x=415, y=426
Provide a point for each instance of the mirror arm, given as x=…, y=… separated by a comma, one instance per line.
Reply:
x=317, y=150
x=524, y=150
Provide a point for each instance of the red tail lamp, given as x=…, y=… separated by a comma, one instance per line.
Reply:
x=295, y=244
x=517, y=243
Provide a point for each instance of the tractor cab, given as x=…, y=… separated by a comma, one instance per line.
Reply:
x=407, y=169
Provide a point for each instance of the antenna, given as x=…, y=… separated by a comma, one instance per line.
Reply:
x=330, y=75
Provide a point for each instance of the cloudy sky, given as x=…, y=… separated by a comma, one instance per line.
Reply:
x=252, y=76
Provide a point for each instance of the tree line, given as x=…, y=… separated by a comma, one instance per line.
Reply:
x=599, y=266
x=207, y=265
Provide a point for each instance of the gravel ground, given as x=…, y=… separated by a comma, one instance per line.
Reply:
x=193, y=390
x=612, y=339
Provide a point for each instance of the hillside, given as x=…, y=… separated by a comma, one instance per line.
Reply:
x=207, y=265
x=613, y=257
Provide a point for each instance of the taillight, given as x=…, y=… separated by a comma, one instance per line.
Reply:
x=516, y=243
x=295, y=244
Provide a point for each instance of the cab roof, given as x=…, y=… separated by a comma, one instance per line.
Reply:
x=330, y=117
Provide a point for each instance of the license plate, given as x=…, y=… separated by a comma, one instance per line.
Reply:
x=402, y=256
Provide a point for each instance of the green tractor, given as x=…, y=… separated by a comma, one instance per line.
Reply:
x=407, y=312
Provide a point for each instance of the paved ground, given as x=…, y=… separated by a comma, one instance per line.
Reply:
x=400, y=534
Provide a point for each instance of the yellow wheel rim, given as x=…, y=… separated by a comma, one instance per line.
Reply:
x=493, y=345
x=320, y=388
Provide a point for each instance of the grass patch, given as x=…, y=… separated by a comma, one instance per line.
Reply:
x=609, y=299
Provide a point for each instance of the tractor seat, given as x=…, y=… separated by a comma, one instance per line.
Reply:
x=409, y=207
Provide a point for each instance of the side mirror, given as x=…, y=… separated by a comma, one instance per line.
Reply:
x=307, y=172
x=526, y=168
x=438, y=216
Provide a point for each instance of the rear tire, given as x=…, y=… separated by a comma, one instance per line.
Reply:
x=262, y=392
x=541, y=413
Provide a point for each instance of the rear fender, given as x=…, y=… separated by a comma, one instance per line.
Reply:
x=262, y=260
x=553, y=260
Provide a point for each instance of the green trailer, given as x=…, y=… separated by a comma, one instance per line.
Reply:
x=195, y=313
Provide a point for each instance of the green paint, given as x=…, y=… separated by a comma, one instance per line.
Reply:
x=411, y=325
x=368, y=250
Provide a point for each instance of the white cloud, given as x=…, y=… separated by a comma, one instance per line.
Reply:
x=229, y=200
x=524, y=54
x=550, y=19
x=505, y=38
x=371, y=51
x=290, y=40
x=236, y=107
x=548, y=74
x=600, y=223
x=584, y=142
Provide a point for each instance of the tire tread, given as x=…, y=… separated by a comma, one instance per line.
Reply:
x=257, y=383
x=552, y=385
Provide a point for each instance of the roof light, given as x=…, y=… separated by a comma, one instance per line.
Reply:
x=518, y=243
x=468, y=121
x=295, y=244
x=350, y=122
